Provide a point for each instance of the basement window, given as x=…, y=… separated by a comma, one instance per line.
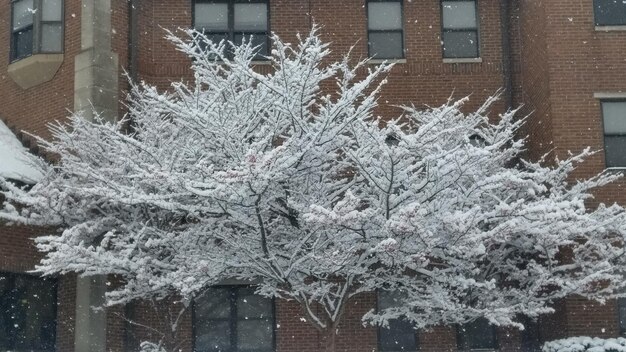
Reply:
x=384, y=29
x=614, y=117
x=233, y=319
x=27, y=313
x=478, y=335
x=610, y=12
x=460, y=34
x=36, y=28
x=400, y=334
x=235, y=21
x=621, y=305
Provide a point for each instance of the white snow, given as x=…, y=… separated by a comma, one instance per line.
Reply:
x=586, y=344
x=15, y=161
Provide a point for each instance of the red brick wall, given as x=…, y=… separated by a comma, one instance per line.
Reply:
x=423, y=79
x=564, y=61
x=583, y=61
x=532, y=79
x=295, y=333
x=66, y=313
x=586, y=318
x=33, y=108
x=119, y=43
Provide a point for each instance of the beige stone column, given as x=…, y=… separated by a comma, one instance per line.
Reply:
x=96, y=66
x=90, y=328
x=95, y=89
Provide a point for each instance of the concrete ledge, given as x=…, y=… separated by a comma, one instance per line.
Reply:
x=35, y=70
x=261, y=62
x=389, y=61
x=469, y=60
x=610, y=95
x=611, y=28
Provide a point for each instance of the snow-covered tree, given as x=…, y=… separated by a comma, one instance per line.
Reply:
x=289, y=180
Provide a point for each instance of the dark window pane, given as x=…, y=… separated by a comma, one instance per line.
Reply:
x=22, y=14
x=233, y=319
x=23, y=43
x=459, y=14
x=384, y=15
x=259, y=40
x=622, y=314
x=615, y=150
x=251, y=17
x=211, y=17
x=400, y=335
x=27, y=313
x=388, y=299
x=215, y=38
x=213, y=304
x=51, y=38
x=610, y=12
x=250, y=305
x=386, y=45
x=477, y=335
x=614, y=114
x=254, y=335
x=462, y=44
x=52, y=10
x=531, y=339
x=213, y=336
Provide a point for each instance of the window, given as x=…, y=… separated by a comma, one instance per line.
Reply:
x=233, y=319
x=384, y=29
x=400, y=335
x=234, y=20
x=477, y=335
x=614, y=116
x=621, y=306
x=36, y=27
x=531, y=335
x=610, y=12
x=27, y=313
x=459, y=29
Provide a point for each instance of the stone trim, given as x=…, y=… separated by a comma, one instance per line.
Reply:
x=610, y=95
x=34, y=70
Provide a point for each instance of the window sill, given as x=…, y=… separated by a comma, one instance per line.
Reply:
x=261, y=62
x=34, y=70
x=611, y=28
x=389, y=61
x=616, y=169
x=610, y=95
x=471, y=60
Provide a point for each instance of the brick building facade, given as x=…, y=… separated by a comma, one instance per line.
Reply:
x=564, y=61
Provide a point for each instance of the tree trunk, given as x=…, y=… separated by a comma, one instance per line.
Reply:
x=330, y=339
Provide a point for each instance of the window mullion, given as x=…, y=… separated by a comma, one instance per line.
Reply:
x=233, y=319
x=231, y=20
x=37, y=16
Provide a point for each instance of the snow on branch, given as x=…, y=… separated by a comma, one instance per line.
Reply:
x=290, y=180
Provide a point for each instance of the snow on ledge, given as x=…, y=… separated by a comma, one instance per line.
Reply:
x=586, y=344
x=16, y=162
